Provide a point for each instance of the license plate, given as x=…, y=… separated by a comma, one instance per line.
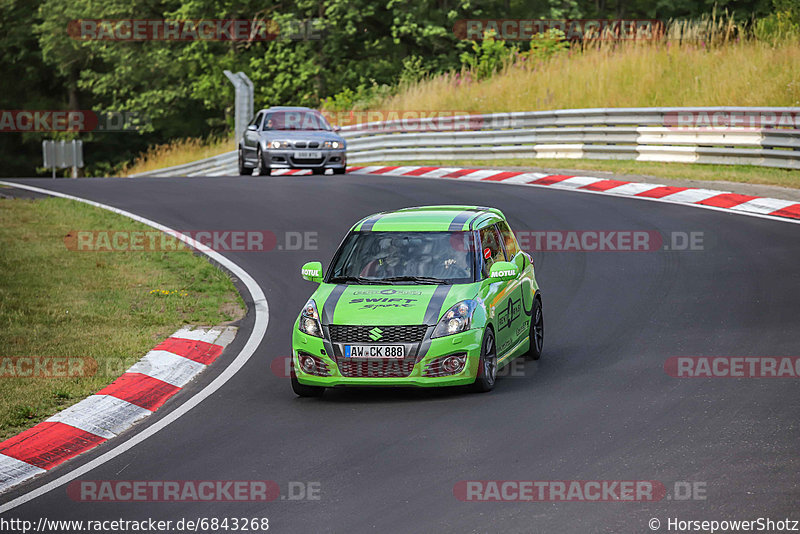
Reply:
x=383, y=352
x=308, y=155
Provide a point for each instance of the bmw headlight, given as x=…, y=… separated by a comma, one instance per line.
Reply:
x=309, y=320
x=455, y=320
x=279, y=144
x=333, y=144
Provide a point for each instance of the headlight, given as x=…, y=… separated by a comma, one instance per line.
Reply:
x=457, y=319
x=309, y=320
x=332, y=144
x=279, y=144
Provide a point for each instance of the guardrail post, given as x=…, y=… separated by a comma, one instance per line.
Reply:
x=243, y=101
x=249, y=111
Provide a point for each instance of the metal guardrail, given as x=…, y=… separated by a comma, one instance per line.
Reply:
x=644, y=134
x=202, y=167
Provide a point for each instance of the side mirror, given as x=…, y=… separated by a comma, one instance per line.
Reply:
x=337, y=128
x=252, y=128
x=502, y=271
x=312, y=271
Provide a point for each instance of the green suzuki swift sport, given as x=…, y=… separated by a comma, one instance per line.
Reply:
x=426, y=296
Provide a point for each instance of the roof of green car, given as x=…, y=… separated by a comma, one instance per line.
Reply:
x=430, y=219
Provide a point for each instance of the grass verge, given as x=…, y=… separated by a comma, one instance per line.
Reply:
x=110, y=308
x=746, y=174
x=178, y=152
x=749, y=73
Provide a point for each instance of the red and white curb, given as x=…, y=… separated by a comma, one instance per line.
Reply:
x=139, y=392
x=723, y=200
x=681, y=195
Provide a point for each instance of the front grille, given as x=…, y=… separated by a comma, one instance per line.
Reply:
x=376, y=368
x=341, y=333
x=313, y=144
x=299, y=144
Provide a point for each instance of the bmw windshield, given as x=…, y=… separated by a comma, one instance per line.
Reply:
x=404, y=258
x=296, y=120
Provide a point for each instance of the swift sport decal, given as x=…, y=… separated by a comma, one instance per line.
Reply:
x=385, y=302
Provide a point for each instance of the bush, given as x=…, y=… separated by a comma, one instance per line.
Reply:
x=488, y=57
x=545, y=46
x=778, y=27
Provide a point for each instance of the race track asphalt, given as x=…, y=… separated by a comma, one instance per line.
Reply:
x=597, y=406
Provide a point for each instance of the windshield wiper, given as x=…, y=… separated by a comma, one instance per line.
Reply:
x=354, y=279
x=417, y=279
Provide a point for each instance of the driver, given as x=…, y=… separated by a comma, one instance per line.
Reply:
x=390, y=261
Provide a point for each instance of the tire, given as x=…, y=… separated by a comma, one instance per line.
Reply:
x=487, y=364
x=302, y=390
x=340, y=171
x=318, y=171
x=244, y=170
x=263, y=170
x=537, y=331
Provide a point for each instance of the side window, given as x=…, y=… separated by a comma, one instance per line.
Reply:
x=256, y=119
x=259, y=120
x=490, y=248
x=509, y=240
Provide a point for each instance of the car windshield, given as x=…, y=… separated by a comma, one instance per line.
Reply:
x=404, y=258
x=295, y=120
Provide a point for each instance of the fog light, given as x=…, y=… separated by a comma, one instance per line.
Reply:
x=307, y=363
x=453, y=364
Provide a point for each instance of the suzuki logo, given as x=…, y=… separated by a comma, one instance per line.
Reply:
x=375, y=334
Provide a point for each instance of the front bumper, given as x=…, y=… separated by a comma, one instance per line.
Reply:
x=468, y=342
x=284, y=159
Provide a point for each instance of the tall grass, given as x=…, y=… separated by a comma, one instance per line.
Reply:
x=177, y=152
x=747, y=73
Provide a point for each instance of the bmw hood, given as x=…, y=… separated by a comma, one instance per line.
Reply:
x=388, y=304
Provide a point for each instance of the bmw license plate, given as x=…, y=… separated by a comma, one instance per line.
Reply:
x=308, y=155
x=383, y=352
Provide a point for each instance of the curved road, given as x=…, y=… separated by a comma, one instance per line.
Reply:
x=597, y=406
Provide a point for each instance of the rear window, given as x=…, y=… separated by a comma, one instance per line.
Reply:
x=509, y=240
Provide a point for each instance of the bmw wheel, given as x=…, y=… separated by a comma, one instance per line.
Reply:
x=244, y=170
x=263, y=168
x=487, y=365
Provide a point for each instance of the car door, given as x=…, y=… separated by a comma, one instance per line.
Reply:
x=251, y=136
x=519, y=290
x=499, y=302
